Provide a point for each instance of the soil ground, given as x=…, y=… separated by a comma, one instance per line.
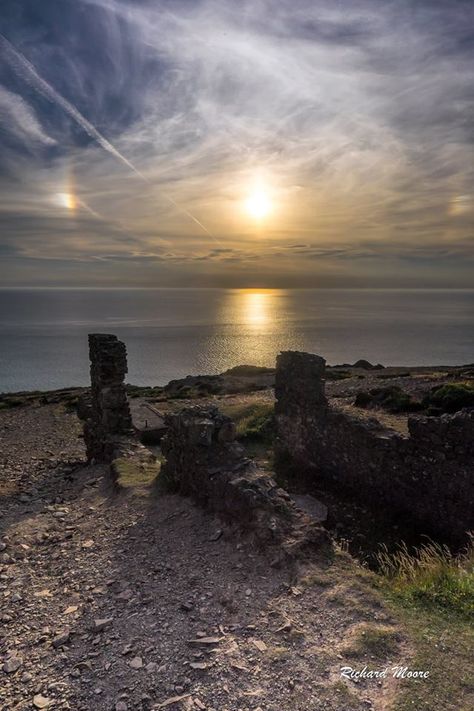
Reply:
x=127, y=600
x=133, y=600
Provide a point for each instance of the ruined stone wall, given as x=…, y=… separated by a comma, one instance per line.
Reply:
x=426, y=477
x=109, y=414
x=204, y=461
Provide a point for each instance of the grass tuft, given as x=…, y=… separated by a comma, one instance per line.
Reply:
x=253, y=421
x=432, y=575
x=133, y=473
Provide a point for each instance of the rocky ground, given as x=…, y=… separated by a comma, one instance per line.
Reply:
x=137, y=601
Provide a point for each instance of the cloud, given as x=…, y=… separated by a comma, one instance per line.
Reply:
x=356, y=117
x=18, y=118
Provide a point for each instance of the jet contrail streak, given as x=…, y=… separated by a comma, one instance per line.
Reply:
x=28, y=73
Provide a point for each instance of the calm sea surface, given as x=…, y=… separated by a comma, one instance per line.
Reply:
x=170, y=333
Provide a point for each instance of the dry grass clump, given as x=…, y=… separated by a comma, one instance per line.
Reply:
x=432, y=574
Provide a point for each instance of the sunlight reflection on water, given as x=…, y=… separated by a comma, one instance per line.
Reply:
x=253, y=327
x=171, y=333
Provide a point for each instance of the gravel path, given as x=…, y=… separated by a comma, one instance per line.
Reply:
x=129, y=601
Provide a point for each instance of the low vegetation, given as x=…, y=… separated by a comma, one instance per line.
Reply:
x=449, y=398
x=375, y=641
x=135, y=474
x=432, y=576
x=332, y=374
x=148, y=392
x=391, y=398
x=254, y=421
x=432, y=593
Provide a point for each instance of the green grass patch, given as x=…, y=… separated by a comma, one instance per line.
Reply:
x=443, y=645
x=254, y=422
x=432, y=575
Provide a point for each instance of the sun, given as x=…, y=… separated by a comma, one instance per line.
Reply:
x=258, y=204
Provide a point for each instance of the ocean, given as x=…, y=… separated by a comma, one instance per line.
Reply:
x=171, y=333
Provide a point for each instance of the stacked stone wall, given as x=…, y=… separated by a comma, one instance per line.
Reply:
x=426, y=477
x=204, y=461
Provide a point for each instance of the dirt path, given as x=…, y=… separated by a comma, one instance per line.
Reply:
x=126, y=601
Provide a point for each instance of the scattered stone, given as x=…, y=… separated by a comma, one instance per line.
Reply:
x=261, y=646
x=41, y=702
x=12, y=664
x=61, y=638
x=121, y=706
x=206, y=641
x=186, y=606
x=102, y=624
x=216, y=535
x=172, y=700
x=200, y=665
x=136, y=663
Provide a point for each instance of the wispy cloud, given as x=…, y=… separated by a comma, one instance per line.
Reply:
x=19, y=119
x=356, y=116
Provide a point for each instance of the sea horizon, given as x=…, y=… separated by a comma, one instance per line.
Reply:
x=208, y=330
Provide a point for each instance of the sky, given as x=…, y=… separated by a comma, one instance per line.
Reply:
x=237, y=143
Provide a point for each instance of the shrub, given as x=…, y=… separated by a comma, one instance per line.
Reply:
x=391, y=398
x=449, y=397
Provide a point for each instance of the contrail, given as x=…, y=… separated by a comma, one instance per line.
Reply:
x=28, y=73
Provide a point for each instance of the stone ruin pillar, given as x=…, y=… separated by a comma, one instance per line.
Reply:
x=109, y=417
x=300, y=409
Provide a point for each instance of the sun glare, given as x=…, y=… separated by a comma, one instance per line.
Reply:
x=258, y=204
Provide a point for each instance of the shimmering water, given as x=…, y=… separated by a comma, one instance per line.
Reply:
x=171, y=333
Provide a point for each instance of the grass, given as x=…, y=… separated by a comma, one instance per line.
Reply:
x=433, y=576
x=378, y=641
x=132, y=473
x=139, y=391
x=432, y=593
x=391, y=398
x=443, y=645
x=449, y=398
x=254, y=421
